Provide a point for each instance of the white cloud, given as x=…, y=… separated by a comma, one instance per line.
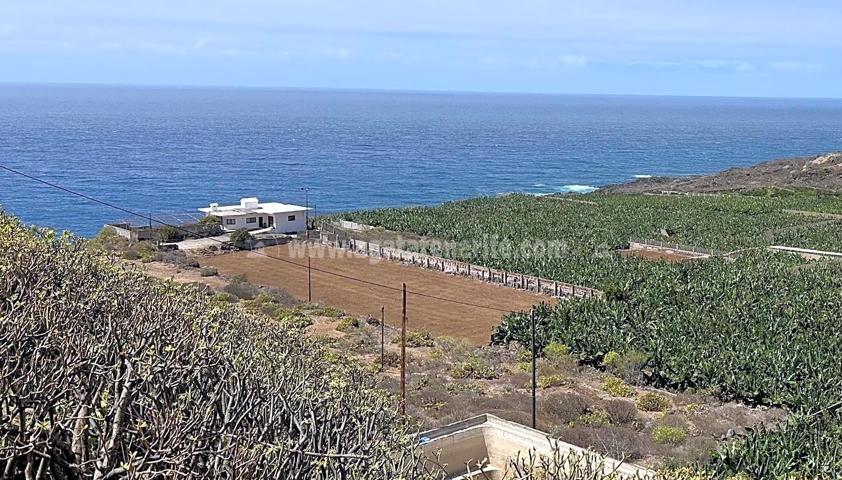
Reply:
x=790, y=66
x=729, y=65
x=578, y=61
x=568, y=61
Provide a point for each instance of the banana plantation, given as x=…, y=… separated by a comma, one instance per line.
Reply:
x=760, y=327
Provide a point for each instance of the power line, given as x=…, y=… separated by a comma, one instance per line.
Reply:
x=254, y=252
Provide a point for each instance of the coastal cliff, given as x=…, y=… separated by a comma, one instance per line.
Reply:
x=821, y=172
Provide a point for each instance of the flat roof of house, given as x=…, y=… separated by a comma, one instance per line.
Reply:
x=270, y=208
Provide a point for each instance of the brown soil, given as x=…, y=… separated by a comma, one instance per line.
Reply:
x=473, y=322
x=656, y=255
x=822, y=172
x=166, y=271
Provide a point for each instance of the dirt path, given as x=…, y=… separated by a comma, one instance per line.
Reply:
x=440, y=317
x=807, y=213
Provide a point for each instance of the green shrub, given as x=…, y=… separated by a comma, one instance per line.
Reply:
x=348, y=323
x=327, y=311
x=653, y=402
x=473, y=367
x=667, y=435
x=390, y=359
x=209, y=226
x=293, y=318
x=224, y=297
x=419, y=338
x=611, y=359
x=108, y=240
x=208, y=271
x=628, y=365
x=523, y=366
x=556, y=352
x=616, y=387
x=548, y=381
x=130, y=255
x=595, y=418
x=168, y=234
x=241, y=236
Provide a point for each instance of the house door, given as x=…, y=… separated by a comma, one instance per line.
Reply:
x=260, y=222
x=271, y=220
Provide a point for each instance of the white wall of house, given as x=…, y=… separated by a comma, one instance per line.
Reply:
x=291, y=222
x=242, y=221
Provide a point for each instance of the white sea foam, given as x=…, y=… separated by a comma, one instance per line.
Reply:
x=643, y=176
x=539, y=185
x=578, y=188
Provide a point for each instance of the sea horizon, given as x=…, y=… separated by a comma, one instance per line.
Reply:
x=186, y=86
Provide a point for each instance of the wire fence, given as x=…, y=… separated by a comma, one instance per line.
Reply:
x=335, y=236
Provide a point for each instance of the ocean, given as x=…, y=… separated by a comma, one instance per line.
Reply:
x=168, y=149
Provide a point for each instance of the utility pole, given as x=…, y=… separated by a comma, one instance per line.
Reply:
x=532, y=322
x=307, y=206
x=382, y=338
x=309, y=282
x=403, y=355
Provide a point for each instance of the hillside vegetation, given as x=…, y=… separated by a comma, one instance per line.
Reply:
x=106, y=373
x=762, y=329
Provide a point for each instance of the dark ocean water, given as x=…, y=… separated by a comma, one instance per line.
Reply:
x=177, y=149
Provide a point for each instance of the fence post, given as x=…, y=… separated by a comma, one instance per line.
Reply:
x=539, y=285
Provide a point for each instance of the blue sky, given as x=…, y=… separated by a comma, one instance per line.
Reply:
x=741, y=48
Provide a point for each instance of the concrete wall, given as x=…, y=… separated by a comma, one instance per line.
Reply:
x=284, y=225
x=240, y=222
x=134, y=234
x=498, y=441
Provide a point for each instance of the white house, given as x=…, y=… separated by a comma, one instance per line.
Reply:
x=250, y=214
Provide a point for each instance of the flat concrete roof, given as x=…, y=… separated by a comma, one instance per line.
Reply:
x=269, y=208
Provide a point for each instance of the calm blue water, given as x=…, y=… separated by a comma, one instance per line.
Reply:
x=173, y=149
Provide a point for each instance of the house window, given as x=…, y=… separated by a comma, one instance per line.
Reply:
x=251, y=220
x=290, y=218
x=230, y=221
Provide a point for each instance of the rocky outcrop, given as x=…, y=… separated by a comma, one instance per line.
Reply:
x=821, y=172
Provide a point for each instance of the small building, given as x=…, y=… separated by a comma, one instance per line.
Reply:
x=484, y=446
x=271, y=217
